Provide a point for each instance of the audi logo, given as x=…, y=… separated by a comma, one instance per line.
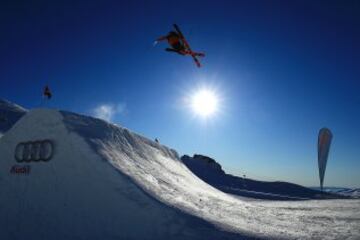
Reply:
x=34, y=151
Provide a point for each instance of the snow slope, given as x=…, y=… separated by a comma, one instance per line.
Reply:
x=105, y=182
x=78, y=194
x=10, y=113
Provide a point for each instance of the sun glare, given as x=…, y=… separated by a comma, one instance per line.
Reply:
x=204, y=103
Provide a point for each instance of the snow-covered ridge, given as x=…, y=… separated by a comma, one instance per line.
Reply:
x=10, y=113
x=5, y=104
x=211, y=172
x=94, y=180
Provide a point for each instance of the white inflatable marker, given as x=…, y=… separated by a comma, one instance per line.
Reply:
x=324, y=141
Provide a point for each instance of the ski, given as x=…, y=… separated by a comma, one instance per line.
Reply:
x=187, y=45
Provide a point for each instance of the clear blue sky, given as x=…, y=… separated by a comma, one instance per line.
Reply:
x=284, y=69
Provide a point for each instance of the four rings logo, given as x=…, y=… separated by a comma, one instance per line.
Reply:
x=34, y=151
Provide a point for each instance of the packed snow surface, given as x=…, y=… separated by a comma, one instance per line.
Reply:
x=88, y=190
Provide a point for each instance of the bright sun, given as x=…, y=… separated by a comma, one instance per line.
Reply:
x=204, y=103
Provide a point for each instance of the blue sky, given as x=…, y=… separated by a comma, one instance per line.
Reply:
x=283, y=70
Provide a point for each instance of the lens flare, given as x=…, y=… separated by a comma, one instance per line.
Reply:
x=204, y=103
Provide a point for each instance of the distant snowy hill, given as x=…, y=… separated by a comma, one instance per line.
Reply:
x=10, y=113
x=350, y=192
x=211, y=172
x=68, y=176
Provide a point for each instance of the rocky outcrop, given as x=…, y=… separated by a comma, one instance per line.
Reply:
x=203, y=161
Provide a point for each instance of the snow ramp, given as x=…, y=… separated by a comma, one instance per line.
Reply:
x=68, y=176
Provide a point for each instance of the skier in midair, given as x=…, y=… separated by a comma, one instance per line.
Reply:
x=180, y=45
x=47, y=93
x=174, y=41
